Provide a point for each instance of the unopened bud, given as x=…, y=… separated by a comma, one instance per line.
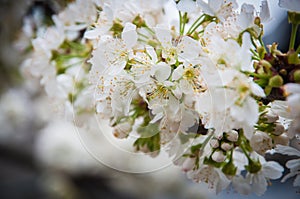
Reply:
x=297, y=76
x=188, y=164
x=276, y=81
x=271, y=117
x=214, y=143
x=279, y=129
x=226, y=146
x=232, y=136
x=218, y=156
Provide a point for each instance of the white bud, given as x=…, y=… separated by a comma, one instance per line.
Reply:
x=279, y=129
x=214, y=143
x=122, y=130
x=261, y=142
x=218, y=156
x=271, y=117
x=188, y=164
x=232, y=136
x=226, y=146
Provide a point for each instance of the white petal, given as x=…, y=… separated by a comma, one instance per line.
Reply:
x=287, y=150
x=264, y=13
x=205, y=8
x=297, y=181
x=186, y=6
x=161, y=71
x=293, y=164
x=272, y=170
x=177, y=73
x=291, y=5
x=129, y=35
x=163, y=34
x=259, y=184
x=257, y=90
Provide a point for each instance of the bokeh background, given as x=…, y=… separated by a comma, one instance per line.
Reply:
x=42, y=156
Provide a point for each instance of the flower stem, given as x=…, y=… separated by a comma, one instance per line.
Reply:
x=298, y=50
x=195, y=24
x=293, y=36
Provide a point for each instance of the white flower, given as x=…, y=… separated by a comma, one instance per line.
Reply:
x=215, y=179
x=269, y=170
x=290, y=5
x=229, y=53
x=228, y=104
x=183, y=49
x=112, y=54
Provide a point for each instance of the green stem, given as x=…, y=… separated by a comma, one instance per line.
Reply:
x=195, y=23
x=245, y=152
x=197, y=26
x=150, y=30
x=142, y=35
x=184, y=22
x=180, y=23
x=210, y=134
x=298, y=50
x=293, y=36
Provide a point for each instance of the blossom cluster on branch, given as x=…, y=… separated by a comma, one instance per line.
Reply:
x=202, y=85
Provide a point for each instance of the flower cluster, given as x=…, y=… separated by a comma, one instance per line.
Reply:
x=201, y=86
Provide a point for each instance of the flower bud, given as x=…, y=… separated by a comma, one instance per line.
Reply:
x=188, y=164
x=261, y=142
x=296, y=76
x=226, y=146
x=279, y=129
x=276, y=81
x=271, y=117
x=214, y=143
x=232, y=136
x=218, y=156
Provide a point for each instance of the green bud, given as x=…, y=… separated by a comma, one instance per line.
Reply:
x=297, y=76
x=283, y=72
x=261, y=51
x=276, y=81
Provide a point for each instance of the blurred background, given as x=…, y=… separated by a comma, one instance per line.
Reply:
x=43, y=157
